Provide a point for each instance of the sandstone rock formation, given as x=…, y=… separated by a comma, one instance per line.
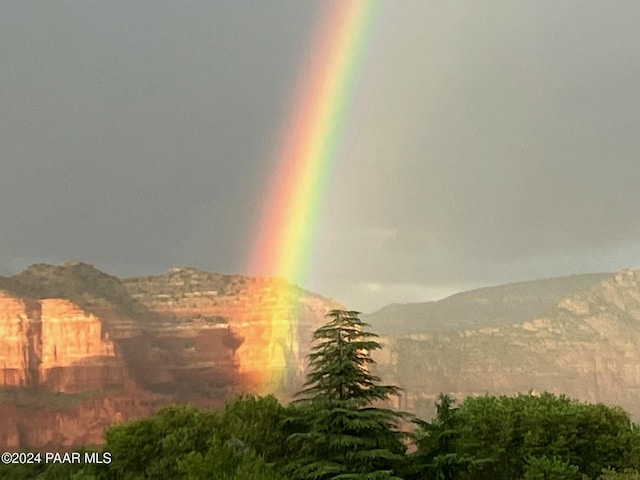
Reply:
x=263, y=326
x=587, y=346
x=82, y=349
x=52, y=343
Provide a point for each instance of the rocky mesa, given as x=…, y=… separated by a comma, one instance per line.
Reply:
x=80, y=349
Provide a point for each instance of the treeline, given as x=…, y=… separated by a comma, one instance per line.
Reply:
x=335, y=431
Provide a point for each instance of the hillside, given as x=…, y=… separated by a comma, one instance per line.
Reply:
x=586, y=345
x=483, y=307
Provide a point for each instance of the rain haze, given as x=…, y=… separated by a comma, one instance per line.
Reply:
x=484, y=143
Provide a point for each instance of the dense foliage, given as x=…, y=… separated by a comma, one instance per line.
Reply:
x=336, y=430
x=526, y=437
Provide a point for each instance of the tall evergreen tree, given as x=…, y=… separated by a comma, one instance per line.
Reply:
x=344, y=436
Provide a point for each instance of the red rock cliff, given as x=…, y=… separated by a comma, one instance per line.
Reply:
x=109, y=350
x=264, y=325
x=52, y=344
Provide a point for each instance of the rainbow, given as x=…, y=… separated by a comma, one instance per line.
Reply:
x=311, y=135
x=304, y=161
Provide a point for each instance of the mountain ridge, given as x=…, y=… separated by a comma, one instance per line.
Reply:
x=586, y=345
x=485, y=306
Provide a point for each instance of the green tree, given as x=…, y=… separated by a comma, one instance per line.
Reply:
x=436, y=456
x=244, y=440
x=21, y=472
x=226, y=460
x=543, y=435
x=627, y=474
x=343, y=435
x=554, y=468
x=259, y=423
x=149, y=448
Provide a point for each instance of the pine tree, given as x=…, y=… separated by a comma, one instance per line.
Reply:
x=345, y=436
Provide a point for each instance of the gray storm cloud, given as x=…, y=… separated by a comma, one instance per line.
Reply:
x=483, y=145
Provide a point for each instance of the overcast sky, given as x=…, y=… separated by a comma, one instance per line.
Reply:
x=488, y=142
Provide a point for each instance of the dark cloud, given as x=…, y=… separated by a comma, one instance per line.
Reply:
x=483, y=145
x=127, y=127
x=504, y=148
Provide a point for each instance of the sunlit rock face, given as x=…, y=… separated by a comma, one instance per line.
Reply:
x=53, y=344
x=83, y=349
x=76, y=352
x=261, y=327
x=585, y=345
x=17, y=342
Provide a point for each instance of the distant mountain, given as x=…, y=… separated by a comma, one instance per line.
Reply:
x=483, y=307
x=578, y=336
